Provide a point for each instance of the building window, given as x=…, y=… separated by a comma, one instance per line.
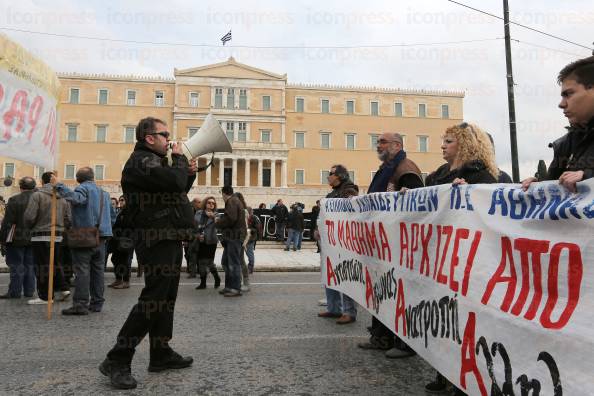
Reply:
x=299, y=176
x=398, y=109
x=325, y=140
x=445, y=111
x=325, y=105
x=159, y=98
x=101, y=133
x=72, y=133
x=131, y=100
x=242, y=132
x=373, y=141
x=423, y=144
x=99, y=172
x=194, y=99
x=39, y=170
x=103, y=96
x=9, y=169
x=129, y=134
x=324, y=177
x=422, y=110
x=352, y=176
x=69, y=172
x=74, y=93
x=192, y=132
x=266, y=102
x=230, y=98
x=350, y=107
x=229, y=131
x=299, y=105
x=265, y=135
x=374, y=108
x=350, y=141
x=299, y=139
x=218, y=98
x=243, y=99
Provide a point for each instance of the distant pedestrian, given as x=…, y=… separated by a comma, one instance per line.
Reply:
x=281, y=213
x=295, y=228
x=205, y=246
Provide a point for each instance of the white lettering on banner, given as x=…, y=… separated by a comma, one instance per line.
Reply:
x=492, y=285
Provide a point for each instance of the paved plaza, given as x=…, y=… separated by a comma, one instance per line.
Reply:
x=267, y=342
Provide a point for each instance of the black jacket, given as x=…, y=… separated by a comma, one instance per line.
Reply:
x=295, y=220
x=474, y=172
x=156, y=195
x=280, y=213
x=15, y=209
x=344, y=190
x=574, y=151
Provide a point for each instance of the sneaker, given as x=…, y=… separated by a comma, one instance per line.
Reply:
x=399, y=353
x=119, y=374
x=245, y=288
x=232, y=293
x=224, y=290
x=37, y=301
x=322, y=302
x=75, y=310
x=173, y=361
x=62, y=295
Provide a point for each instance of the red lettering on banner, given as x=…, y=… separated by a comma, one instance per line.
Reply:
x=1, y=92
x=498, y=277
x=330, y=231
x=574, y=281
x=49, y=139
x=468, y=357
x=425, y=238
x=369, y=289
x=354, y=240
x=385, y=244
x=470, y=261
x=437, y=247
x=361, y=240
x=403, y=244
x=536, y=248
x=414, y=244
x=341, y=234
x=400, y=308
x=371, y=239
x=330, y=272
x=461, y=233
x=34, y=113
x=17, y=113
x=447, y=230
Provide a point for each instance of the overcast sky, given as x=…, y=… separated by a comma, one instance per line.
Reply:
x=478, y=68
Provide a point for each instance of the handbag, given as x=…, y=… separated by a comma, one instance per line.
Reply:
x=86, y=237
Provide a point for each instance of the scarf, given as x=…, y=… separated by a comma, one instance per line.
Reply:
x=384, y=173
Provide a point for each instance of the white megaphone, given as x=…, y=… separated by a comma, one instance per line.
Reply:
x=210, y=138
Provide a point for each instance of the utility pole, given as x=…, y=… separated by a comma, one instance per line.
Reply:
x=510, y=96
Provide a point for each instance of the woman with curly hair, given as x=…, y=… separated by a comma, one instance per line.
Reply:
x=208, y=240
x=470, y=159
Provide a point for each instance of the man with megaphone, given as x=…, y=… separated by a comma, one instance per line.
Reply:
x=160, y=218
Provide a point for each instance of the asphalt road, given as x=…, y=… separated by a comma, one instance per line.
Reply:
x=268, y=342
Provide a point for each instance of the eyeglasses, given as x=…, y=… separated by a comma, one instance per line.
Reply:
x=211, y=203
x=384, y=141
x=331, y=173
x=165, y=134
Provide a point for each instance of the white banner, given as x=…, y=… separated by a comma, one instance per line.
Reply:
x=493, y=286
x=28, y=97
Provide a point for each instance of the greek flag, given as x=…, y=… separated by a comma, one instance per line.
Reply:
x=226, y=37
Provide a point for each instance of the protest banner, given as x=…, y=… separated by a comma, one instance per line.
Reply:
x=493, y=286
x=29, y=92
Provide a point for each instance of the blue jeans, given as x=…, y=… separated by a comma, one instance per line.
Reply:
x=293, y=238
x=249, y=251
x=231, y=262
x=22, y=270
x=88, y=264
x=300, y=239
x=340, y=303
x=280, y=231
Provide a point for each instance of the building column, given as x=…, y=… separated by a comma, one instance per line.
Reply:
x=272, y=173
x=247, y=172
x=260, y=167
x=284, y=173
x=234, y=173
x=221, y=172
x=208, y=175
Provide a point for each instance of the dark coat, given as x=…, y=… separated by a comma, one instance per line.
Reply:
x=295, y=220
x=345, y=189
x=233, y=222
x=15, y=210
x=574, y=151
x=280, y=213
x=474, y=172
x=156, y=195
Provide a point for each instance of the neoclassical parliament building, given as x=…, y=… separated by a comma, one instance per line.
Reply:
x=285, y=136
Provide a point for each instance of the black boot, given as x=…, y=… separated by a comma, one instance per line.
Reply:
x=215, y=274
x=202, y=284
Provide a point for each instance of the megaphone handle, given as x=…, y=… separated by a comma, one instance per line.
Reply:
x=203, y=168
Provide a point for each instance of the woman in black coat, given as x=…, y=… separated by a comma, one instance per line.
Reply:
x=470, y=159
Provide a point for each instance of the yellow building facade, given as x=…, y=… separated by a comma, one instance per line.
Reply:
x=285, y=137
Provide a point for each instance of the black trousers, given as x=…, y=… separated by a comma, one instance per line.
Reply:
x=121, y=260
x=41, y=253
x=153, y=314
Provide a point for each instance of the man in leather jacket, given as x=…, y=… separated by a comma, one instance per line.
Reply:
x=160, y=217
